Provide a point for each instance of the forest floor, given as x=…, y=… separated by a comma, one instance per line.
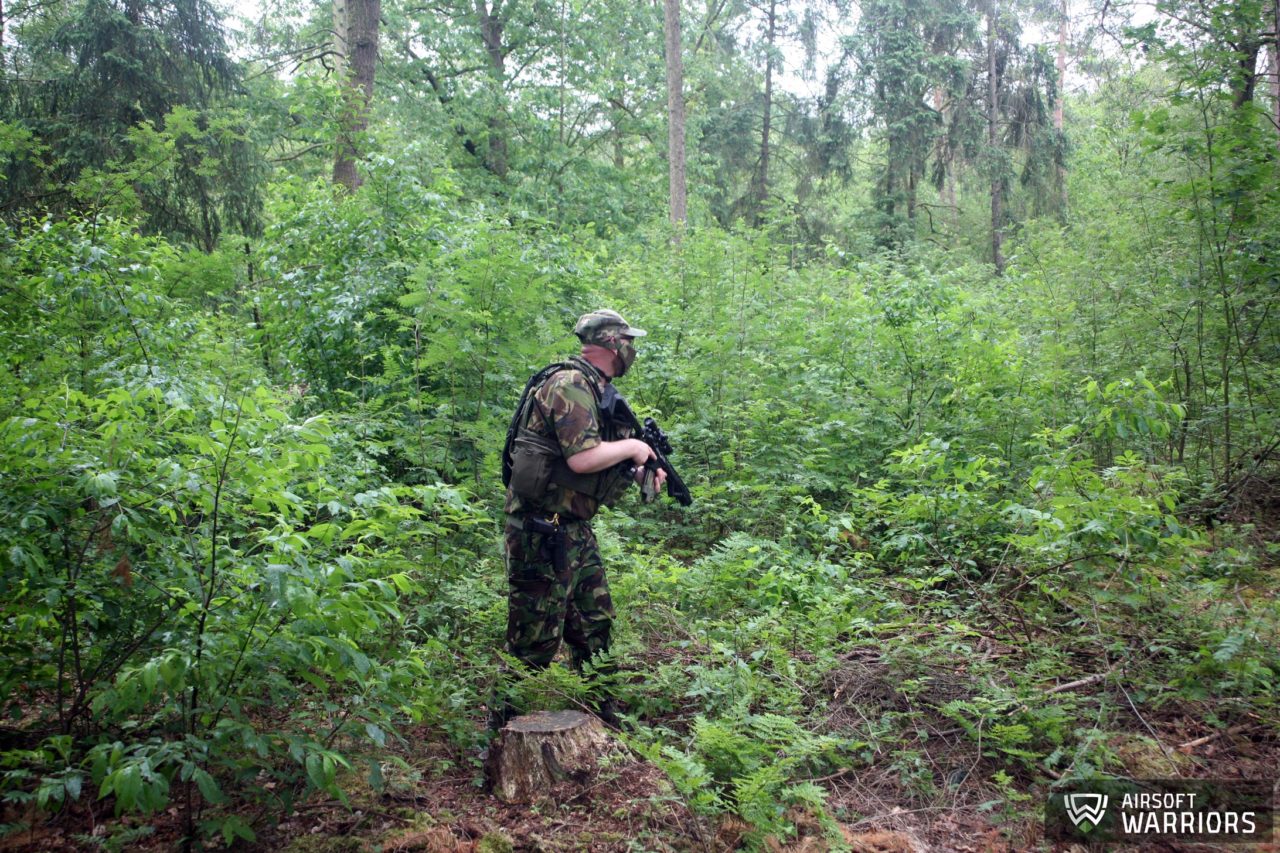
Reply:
x=926, y=785
x=433, y=800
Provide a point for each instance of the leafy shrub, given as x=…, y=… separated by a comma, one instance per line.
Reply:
x=199, y=598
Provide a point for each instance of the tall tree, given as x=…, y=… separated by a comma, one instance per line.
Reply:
x=823, y=135
x=359, y=36
x=1275, y=66
x=675, y=114
x=944, y=157
x=760, y=181
x=491, y=18
x=993, y=140
x=906, y=49
x=1059, y=102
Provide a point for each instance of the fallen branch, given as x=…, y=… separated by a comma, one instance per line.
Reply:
x=1201, y=741
x=831, y=777
x=1078, y=683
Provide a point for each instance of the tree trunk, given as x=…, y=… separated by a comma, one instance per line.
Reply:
x=944, y=154
x=1245, y=79
x=1275, y=66
x=1062, y=67
x=340, y=25
x=675, y=115
x=361, y=40
x=562, y=63
x=1060, y=101
x=546, y=753
x=913, y=180
x=619, y=153
x=492, y=28
x=993, y=140
x=762, y=173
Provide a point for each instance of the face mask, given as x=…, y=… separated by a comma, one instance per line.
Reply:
x=626, y=352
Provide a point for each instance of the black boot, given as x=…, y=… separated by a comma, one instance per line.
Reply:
x=607, y=711
x=500, y=715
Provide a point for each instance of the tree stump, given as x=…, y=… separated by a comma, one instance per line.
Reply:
x=547, y=750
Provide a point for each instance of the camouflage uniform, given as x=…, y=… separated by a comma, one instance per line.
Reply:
x=546, y=605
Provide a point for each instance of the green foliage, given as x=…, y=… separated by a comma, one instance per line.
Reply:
x=189, y=584
x=248, y=530
x=129, y=110
x=392, y=302
x=181, y=560
x=753, y=764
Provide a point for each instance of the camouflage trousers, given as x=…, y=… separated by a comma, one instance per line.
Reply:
x=545, y=605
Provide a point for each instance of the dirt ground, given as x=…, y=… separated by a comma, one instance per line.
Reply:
x=441, y=806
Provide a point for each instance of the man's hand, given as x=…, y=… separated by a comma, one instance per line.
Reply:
x=642, y=454
x=660, y=474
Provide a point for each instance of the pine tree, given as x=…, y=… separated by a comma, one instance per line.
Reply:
x=95, y=81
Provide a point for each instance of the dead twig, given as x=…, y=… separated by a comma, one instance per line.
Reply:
x=1079, y=682
x=1201, y=741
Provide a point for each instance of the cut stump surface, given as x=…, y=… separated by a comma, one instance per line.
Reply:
x=545, y=754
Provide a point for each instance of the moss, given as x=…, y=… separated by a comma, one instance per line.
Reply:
x=414, y=815
x=495, y=842
x=421, y=832
x=325, y=844
x=590, y=839
x=354, y=782
x=1143, y=758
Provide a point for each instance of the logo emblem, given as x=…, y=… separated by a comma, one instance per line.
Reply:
x=1086, y=807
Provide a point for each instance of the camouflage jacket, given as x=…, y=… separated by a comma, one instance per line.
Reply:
x=565, y=408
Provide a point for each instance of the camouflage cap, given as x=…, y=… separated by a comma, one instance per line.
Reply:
x=603, y=326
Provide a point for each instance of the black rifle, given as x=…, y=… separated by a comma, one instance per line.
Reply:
x=615, y=407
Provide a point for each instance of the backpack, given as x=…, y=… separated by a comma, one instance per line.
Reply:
x=522, y=411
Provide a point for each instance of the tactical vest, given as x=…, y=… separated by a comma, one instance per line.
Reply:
x=532, y=462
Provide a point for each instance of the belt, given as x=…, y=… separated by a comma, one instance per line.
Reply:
x=528, y=520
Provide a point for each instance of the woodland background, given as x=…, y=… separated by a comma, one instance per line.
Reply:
x=963, y=323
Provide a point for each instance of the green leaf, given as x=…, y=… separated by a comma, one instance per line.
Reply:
x=233, y=828
x=208, y=787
